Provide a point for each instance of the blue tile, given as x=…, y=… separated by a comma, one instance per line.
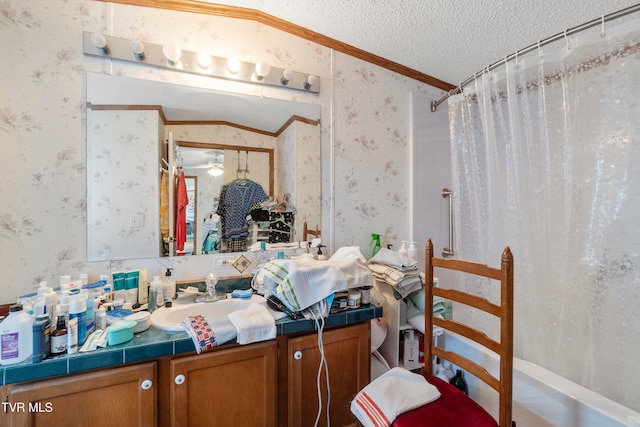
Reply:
x=298, y=326
x=97, y=359
x=33, y=371
x=183, y=346
x=148, y=351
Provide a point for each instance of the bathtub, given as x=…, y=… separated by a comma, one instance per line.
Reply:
x=541, y=398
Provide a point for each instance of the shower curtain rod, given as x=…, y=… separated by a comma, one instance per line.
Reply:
x=586, y=25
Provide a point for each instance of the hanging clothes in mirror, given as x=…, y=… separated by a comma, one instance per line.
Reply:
x=182, y=200
x=237, y=199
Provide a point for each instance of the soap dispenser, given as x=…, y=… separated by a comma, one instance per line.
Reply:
x=168, y=287
x=321, y=256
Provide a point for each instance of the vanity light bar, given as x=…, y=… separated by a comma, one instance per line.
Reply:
x=152, y=54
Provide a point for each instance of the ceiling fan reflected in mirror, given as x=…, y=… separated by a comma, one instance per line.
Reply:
x=215, y=168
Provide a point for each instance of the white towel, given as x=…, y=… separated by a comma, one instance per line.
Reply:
x=302, y=282
x=253, y=324
x=391, y=394
x=393, y=259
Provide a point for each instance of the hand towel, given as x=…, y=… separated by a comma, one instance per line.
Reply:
x=253, y=324
x=209, y=333
x=391, y=394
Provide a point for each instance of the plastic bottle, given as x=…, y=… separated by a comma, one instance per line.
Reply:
x=156, y=298
x=101, y=318
x=59, y=336
x=459, y=382
x=365, y=292
x=403, y=249
x=16, y=336
x=375, y=241
x=63, y=306
x=41, y=338
x=49, y=300
x=78, y=310
x=412, y=252
x=447, y=371
x=72, y=336
x=168, y=287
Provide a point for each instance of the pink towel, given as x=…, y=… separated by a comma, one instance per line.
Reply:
x=391, y=394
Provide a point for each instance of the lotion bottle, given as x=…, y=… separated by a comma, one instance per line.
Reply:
x=403, y=249
x=412, y=252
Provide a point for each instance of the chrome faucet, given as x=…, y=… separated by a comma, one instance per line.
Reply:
x=211, y=294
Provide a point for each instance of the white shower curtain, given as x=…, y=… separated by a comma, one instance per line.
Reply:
x=546, y=159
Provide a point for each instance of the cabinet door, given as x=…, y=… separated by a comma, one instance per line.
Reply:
x=230, y=387
x=347, y=352
x=110, y=397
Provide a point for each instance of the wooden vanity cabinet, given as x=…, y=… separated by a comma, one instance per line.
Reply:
x=262, y=384
x=109, y=397
x=228, y=387
x=347, y=352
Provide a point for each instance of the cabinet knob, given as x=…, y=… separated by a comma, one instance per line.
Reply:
x=297, y=355
x=180, y=379
x=146, y=384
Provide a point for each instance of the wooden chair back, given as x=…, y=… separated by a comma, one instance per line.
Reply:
x=306, y=232
x=504, y=311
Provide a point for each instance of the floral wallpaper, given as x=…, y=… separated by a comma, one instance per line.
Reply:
x=120, y=141
x=365, y=115
x=299, y=151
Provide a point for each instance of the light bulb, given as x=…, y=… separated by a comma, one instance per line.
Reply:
x=204, y=60
x=138, y=50
x=100, y=42
x=233, y=65
x=286, y=76
x=172, y=53
x=262, y=69
x=311, y=80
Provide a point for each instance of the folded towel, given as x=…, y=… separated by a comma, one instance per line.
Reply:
x=391, y=394
x=391, y=275
x=209, y=333
x=253, y=324
x=393, y=259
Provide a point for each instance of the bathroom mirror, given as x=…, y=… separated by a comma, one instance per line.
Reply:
x=128, y=125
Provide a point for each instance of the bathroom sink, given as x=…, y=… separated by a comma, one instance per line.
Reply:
x=170, y=319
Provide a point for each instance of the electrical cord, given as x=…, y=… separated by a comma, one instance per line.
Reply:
x=323, y=362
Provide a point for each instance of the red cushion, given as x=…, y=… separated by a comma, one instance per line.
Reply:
x=452, y=409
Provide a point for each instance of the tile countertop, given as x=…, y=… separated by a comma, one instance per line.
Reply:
x=154, y=343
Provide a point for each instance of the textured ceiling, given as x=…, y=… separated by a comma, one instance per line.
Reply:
x=446, y=39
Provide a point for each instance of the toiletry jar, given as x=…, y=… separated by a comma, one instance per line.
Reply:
x=121, y=331
x=142, y=319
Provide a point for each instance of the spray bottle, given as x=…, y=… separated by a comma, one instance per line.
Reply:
x=375, y=241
